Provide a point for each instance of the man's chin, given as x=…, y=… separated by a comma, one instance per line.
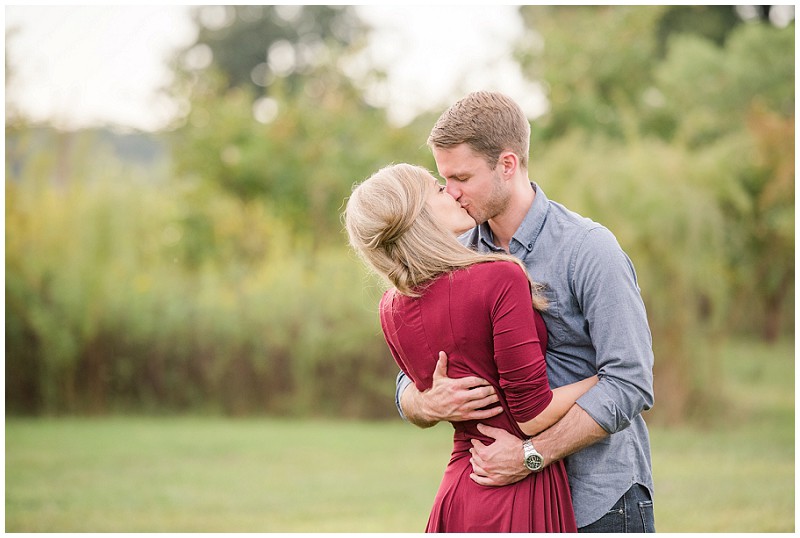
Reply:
x=477, y=219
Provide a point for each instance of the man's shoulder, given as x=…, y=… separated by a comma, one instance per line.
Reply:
x=561, y=215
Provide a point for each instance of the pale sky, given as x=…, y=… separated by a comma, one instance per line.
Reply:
x=82, y=65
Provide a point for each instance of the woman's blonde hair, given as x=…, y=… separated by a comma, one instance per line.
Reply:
x=391, y=228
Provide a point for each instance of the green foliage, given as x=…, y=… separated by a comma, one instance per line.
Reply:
x=711, y=22
x=298, y=140
x=304, y=160
x=758, y=200
x=253, y=45
x=224, y=284
x=110, y=306
x=647, y=194
x=687, y=71
x=685, y=151
x=740, y=112
x=595, y=62
x=756, y=67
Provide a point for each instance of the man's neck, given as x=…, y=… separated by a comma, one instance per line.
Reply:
x=505, y=225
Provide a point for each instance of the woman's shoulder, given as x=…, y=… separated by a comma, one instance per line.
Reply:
x=386, y=300
x=498, y=269
x=491, y=277
x=389, y=295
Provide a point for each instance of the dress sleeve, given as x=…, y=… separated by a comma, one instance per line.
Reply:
x=517, y=342
x=403, y=379
x=389, y=331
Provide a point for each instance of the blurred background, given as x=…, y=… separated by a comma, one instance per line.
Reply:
x=175, y=178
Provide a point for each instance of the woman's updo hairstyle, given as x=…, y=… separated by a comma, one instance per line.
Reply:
x=393, y=231
x=390, y=227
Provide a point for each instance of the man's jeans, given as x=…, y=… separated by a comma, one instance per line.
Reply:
x=632, y=513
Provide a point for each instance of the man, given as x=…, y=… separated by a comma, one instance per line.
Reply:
x=596, y=324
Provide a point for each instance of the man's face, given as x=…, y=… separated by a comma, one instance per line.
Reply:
x=471, y=182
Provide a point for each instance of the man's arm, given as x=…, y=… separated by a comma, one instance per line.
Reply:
x=607, y=291
x=501, y=463
x=574, y=432
x=448, y=399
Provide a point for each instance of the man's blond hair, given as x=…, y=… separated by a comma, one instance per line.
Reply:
x=489, y=123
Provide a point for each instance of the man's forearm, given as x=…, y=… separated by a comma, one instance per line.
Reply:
x=448, y=399
x=575, y=431
x=411, y=406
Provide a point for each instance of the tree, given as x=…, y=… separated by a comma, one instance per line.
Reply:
x=599, y=63
x=678, y=134
x=252, y=46
x=595, y=61
x=737, y=103
x=712, y=22
x=296, y=140
x=301, y=158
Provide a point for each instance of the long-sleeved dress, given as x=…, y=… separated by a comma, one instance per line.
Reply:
x=482, y=317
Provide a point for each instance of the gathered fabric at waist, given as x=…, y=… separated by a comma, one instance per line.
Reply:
x=465, y=431
x=540, y=502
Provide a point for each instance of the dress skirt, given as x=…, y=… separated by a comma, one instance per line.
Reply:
x=539, y=503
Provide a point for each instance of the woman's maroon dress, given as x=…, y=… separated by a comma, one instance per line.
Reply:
x=483, y=319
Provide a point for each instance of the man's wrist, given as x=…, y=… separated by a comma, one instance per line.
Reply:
x=574, y=432
x=532, y=460
x=543, y=447
x=415, y=409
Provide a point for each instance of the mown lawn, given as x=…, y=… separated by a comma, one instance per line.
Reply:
x=185, y=474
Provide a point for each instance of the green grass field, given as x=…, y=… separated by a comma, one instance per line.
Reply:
x=124, y=474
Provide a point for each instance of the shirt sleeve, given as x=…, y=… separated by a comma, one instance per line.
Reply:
x=402, y=383
x=517, y=343
x=606, y=288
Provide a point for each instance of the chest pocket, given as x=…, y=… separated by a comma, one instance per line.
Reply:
x=553, y=318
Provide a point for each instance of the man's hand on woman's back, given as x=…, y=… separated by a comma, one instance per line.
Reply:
x=449, y=399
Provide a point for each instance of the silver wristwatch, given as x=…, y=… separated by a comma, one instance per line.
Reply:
x=533, y=460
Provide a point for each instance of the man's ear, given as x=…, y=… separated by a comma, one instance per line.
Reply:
x=509, y=163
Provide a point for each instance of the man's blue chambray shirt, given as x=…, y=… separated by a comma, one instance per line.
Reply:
x=596, y=324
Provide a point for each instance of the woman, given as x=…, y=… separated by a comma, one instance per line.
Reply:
x=479, y=309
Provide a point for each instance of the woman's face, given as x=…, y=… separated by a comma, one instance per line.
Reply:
x=446, y=210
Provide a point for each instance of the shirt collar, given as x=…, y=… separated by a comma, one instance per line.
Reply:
x=529, y=228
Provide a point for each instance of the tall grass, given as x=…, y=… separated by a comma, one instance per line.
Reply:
x=193, y=474
x=126, y=295
x=133, y=291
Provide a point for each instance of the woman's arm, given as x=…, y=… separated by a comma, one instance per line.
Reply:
x=563, y=399
x=520, y=338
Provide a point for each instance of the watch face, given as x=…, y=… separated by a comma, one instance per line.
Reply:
x=534, y=462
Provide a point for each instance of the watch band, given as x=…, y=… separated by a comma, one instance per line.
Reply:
x=533, y=460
